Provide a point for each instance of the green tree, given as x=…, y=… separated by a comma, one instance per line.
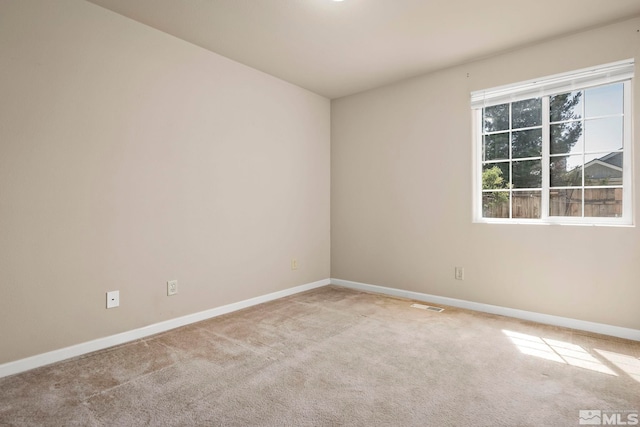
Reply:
x=565, y=108
x=492, y=179
x=564, y=136
x=493, y=202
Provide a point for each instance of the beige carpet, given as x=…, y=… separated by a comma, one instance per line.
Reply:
x=334, y=356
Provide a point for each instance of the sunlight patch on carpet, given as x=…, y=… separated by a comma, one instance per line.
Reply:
x=557, y=351
x=629, y=364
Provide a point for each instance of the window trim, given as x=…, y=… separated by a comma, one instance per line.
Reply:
x=618, y=72
x=574, y=80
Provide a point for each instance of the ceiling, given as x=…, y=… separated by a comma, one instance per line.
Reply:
x=340, y=48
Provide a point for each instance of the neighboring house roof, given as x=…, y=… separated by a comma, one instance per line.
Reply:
x=608, y=167
x=614, y=159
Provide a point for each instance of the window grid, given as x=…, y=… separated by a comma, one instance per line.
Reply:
x=546, y=158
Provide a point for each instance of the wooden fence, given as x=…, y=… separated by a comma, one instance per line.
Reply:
x=598, y=202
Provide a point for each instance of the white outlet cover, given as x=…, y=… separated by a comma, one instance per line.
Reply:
x=113, y=299
x=172, y=287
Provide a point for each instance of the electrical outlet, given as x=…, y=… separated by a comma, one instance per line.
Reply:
x=172, y=287
x=294, y=264
x=459, y=273
x=113, y=299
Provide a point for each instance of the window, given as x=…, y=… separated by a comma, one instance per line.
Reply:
x=556, y=150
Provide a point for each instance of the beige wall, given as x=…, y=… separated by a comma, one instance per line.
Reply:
x=129, y=158
x=401, y=161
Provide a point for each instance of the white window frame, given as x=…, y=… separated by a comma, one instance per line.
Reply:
x=617, y=72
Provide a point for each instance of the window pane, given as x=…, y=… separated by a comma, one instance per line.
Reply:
x=526, y=204
x=495, y=204
x=604, y=100
x=496, y=118
x=603, y=134
x=526, y=113
x=603, y=202
x=565, y=106
x=566, y=138
x=526, y=143
x=565, y=202
x=496, y=146
x=603, y=170
x=565, y=171
x=495, y=176
x=527, y=174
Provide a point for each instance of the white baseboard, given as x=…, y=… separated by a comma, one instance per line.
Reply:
x=599, y=328
x=43, y=359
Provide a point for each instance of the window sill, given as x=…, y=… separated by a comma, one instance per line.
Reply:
x=556, y=223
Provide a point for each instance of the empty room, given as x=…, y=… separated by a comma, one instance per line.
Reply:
x=319, y=213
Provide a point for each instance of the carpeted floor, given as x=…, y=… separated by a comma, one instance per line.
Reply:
x=334, y=356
